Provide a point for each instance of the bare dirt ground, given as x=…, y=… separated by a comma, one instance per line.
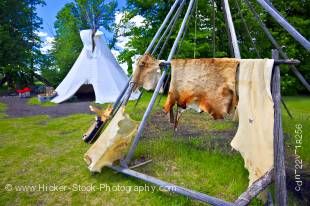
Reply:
x=18, y=107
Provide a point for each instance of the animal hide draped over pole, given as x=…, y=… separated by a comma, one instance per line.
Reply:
x=206, y=85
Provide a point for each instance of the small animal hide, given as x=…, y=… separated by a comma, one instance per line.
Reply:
x=103, y=114
x=254, y=138
x=147, y=73
x=206, y=85
x=112, y=143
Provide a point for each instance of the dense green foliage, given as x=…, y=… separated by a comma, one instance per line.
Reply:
x=198, y=40
x=205, y=36
x=297, y=13
x=67, y=45
x=19, y=54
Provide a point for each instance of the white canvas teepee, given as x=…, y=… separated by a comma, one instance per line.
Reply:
x=98, y=68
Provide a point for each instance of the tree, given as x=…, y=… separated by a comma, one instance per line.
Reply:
x=200, y=37
x=67, y=41
x=297, y=13
x=18, y=41
x=73, y=17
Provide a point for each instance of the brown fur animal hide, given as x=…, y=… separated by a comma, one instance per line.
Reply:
x=147, y=73
x=206, y=85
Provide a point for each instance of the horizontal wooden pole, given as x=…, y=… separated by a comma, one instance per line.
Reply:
x=287, y=61
x=173, y=188
x=276, y=62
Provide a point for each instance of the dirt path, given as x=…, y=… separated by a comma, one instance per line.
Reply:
x=17, y=107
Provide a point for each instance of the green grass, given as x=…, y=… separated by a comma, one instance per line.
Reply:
x=300, y=109
x=2, y=110
x=35, y=101
x=53, y=154
x=40, y=150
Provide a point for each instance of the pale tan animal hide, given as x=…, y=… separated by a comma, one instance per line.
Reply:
x=254, y=138
x=147, y=73
x=103, y=114
x=112, y=143
x=206, y=85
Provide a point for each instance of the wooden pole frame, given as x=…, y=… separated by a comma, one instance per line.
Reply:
x=277, y=174
x=285, y=24
x=231, y=29
x=170, y=27
x=165, y=66
x=276, y=44
x=279, y=155
x=127, y=90
x=149, y=48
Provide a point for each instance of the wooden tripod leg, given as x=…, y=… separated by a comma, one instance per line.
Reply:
x=136, y=140
x=175, y=124
x=177, y=118
x=286, y=108
x=171, y=116
x=139, y=98
x=257, y=187
x=279, y=153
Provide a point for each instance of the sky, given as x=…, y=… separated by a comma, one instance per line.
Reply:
x=49, y=11
x=48, y=14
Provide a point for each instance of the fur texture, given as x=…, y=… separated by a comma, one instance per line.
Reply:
x=206, y=85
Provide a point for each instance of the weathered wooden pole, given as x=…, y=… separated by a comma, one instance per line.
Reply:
x=136, y=140
x=173, y=188
x=232, y=32
x=287, y=26
x=149, y=48
x=257, y=187
x=276, y=45
x=279, y=153
x=170, y=27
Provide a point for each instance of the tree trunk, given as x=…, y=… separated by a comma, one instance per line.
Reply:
x=41, y=79
x=3, y=80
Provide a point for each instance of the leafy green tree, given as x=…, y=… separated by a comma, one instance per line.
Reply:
x=19, y=42
x=297, y=13
x=67, y=42
x=198, y=38
x=202, y=39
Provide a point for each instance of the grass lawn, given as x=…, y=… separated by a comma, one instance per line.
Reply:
x=300, y=108
x=40, y=151
x=2, y=110
x=35, y=101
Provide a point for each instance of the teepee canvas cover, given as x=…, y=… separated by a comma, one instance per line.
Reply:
x=97, y=67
